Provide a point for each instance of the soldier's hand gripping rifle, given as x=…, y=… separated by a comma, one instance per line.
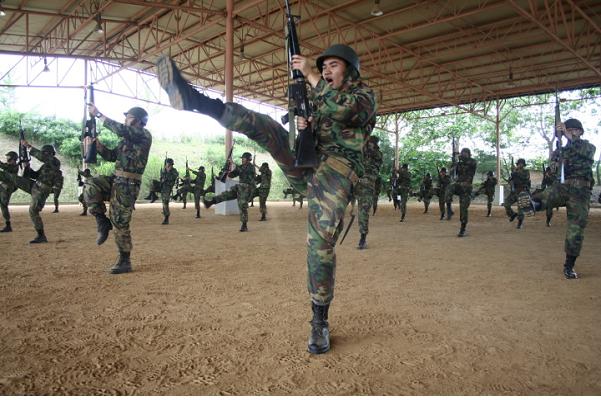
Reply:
x=24, y=158
x=559, y=136
x=89, y=131
x=306, y=155
x=226, y=167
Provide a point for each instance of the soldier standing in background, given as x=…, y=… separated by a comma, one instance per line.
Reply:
x=8, y=185
x=121, y=188
x=394, y=188
x=264, y=181
x=520, y=182
x=241, y=191
x=86, y=174
x=425, y=191
x=377, y=190
x=184, y=188
x=443, y=184
x=466, y=169
x=364, y=192
x=169, y=176
x=404, y=182
x=487, y=187
x=198, y=185
x=549, y=178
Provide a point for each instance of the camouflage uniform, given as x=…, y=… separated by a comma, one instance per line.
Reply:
x=84, y=176
x=198, y=185
x=296, y=196
x=488, y=188
x=466, y=168
x=365, y=190
x=404, y=182
x=168, y=180
x=377, y=190
x=123, y=187
x=520, y=182
x=241, y=191
x=394, y=189
x=443, y=185
x=57, y=188
x=8, y=185
x=264, y=181
x=425, y=191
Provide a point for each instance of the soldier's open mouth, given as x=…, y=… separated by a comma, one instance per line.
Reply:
x=329, y=80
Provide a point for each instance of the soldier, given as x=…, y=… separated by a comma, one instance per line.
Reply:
x=56, y=190
x=8, y=185
x=296, y=196
x=264, y=181
x=45, y=179
x=169, y=176
x=394, y=188
x=443, y=183
x=86, y=174
x=377, y=190
x=466, y=168
x=404, y=183
x=577, y=157
x=241, y=191
x=487, y=187
x=425, y=191
x=549, y=178
x=198, y=185
x=520, y=182
x=184, y=188
x=364, y=192
x=344, y=114
x=123, y=187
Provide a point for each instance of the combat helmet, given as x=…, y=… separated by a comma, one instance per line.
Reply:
x=169, y=161
x=48, y=148
x=247, y=155
x=340, y=51
x=574, y=124
x=139, y=113
x=521, y=161
x=12, y=155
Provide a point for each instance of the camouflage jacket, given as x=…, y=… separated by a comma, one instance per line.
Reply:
x=131, y=154
x=443, y=182
x=578, y=156
x=12, y=170
x=265, y=178
x=489, y=185
x=60, y=180
x=199, y=181
x=372, y=162
x=342, y=119
x=426, y=185
x=168, y=179
x=548, y=180
x=404, y=180
x=50, y=170
x=520, y=180
x=466, y=169
x=246, y=172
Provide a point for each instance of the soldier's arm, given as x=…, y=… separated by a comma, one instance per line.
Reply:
x=131, y=133
x=105, y=152
x=45, y=158
x=354, y=109
x=234, y=173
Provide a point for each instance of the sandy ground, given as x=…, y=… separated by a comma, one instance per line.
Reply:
x=209, y=310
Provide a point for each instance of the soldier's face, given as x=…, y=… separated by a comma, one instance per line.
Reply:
x=573, y=133
x=245, y=160
x=333, y=71
x=169, y=167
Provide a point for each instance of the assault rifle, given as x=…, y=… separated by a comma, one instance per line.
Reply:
x=226, y=167
x=454, y=158
x=306, y=155
x=559, y=136
x=252, y=200
x=23, y=154
x=89, y=130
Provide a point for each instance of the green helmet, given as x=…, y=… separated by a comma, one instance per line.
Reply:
x=139, y=113
x=521, y=161
x=12, y=155
x=373, y=139
x=247, y=155
x=341, y=51
x=169, y=161
x=264, y=165
x=574, y=124
x=47, y=148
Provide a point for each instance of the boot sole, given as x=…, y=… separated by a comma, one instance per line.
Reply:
x=317, y=350
x=166, y=74
x=120, y=271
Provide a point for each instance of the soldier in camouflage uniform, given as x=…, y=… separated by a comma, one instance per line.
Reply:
x=344, y=111
x=241, y=191
x=184, y=188
x=443, y=183
x=520, y=182
x=488, y=188
x=56, y=190
x=82, y=179
x=364, y=192
x=549, y=178
x=8, y=185
x=264, y=181
x=466, y=168
x=404, y=182
x=394, y=188
x=45, y=179
x=425, y=191
x=577, y=157
x=377, y=190
x=123, y=187
x=198, y=185
x=296, y=196
x=169, y=177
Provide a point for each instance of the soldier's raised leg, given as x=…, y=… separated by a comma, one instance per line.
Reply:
x=96, y=192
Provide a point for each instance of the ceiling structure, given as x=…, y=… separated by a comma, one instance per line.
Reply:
x=416, y=55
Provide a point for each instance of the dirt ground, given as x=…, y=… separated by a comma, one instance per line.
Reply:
x=209, y=310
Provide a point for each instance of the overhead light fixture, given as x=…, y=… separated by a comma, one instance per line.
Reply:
x=376, y=12
x=98, y=28
x=2, y=13
x=46, y=69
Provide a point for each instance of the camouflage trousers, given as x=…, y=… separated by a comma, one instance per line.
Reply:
x=121, y=194
x=328, y=193
x=243, y=193
x=511, y=198
x=577, y=201
x=263, y=194
x=442, y=199
x=198, y=192
x=39, y=194
x=426, y=196
x=57, y=193
x=7, y=186
x=464, y=191
x=404, y=193
x=165, y=198
x=364, y=193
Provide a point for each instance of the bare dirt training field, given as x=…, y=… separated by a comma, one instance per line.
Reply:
x=209, y=310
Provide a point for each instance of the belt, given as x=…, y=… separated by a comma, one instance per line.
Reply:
x=128, y=175
x=578, y=182
x=342, y=168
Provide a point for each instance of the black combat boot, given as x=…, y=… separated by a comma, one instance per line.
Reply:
x=208, y=203
x=319, y=341
x=165, y=220
x=153, y=197
x=548, y=222
x=441, y=216
x=103, y=224
x=449, y=212
x=362, y=242
x=426, y=209
x=568, y=267
x=40, y=238
x=513, y=217
x=84, y=212
x=243, y=227
x=148, y=197
x=7, y=228
x=402, y=217
x=198, y=213
x=55, y=210
x=123, y=264
x=184, y=207
x=462, y=230
x=520, y=222
x=489, y=207
x=263, y=218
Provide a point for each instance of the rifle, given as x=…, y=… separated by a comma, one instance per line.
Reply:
x=252, y=200
x=306, y=155
x=226, y=167
x=454, y=158
x=559, y=136
x=89, y=130
x=23, y=154
x=348, y=228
